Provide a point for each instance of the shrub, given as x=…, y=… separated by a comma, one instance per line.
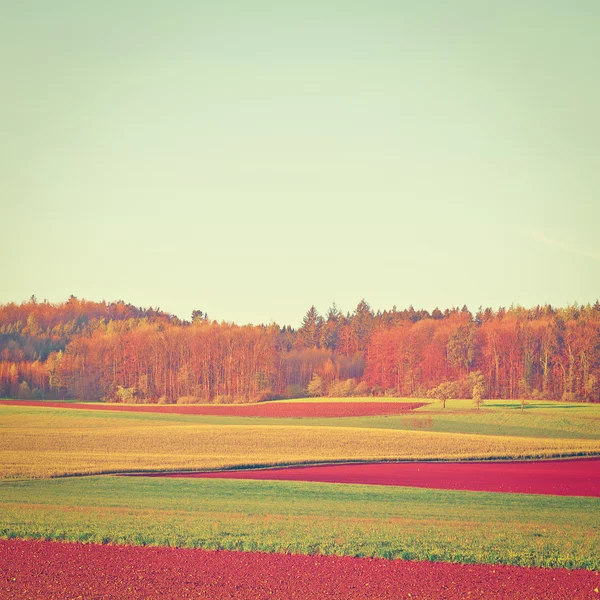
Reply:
x=362, y=389
x=241, y=400
x=187, y=400
x=126, y=395
x=296, y=391
x=349, y=387
x=536, y=394
x=222, y=399
x=24, y=390
x=315, y=387
x=265, y=395
x=342, y=389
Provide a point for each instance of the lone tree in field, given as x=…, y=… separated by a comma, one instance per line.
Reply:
x=444, y=392
x=477, y=385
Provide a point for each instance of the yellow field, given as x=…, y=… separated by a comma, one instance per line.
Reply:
x=48, y=443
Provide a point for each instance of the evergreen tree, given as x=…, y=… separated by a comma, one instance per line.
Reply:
x=309, y=333
x=363, y=323
x=330, y=332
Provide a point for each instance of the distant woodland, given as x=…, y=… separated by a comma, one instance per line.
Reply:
x=118, y=352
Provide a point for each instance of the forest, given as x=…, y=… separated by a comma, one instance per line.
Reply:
x=114, y=351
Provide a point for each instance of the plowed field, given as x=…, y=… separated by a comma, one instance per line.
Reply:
x=557, y=477
x=54, y=570
x=268, y=410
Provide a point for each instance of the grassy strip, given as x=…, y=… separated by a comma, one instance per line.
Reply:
x=43, y=443
x=549, y=424
x=452, y=404
x=308, y=518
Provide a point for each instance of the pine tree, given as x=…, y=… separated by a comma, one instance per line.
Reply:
x=310, y=331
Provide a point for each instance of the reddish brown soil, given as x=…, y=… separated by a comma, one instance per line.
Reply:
x=54, y=570
x=580, y=477
x=267, y=409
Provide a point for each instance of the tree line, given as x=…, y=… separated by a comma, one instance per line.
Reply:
x=116, y=351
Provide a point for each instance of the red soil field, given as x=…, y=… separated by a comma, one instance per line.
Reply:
x=266, y=409
x=55, y=570
x=580, y=477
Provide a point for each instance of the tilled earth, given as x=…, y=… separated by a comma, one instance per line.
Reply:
x=266, y=409
x=578, y=477
x=54, y=570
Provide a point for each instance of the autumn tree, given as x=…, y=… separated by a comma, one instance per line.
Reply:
x=90, y=350
x=444, y=391
x=315, y=386
x=477, y=385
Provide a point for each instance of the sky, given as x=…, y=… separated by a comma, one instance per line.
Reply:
x=250, y=159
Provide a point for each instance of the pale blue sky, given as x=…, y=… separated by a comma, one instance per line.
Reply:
x=252, y=158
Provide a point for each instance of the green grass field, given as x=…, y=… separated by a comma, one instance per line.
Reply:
x=297, y=517
x=354, y=520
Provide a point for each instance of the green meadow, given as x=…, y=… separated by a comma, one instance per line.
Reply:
x=308, y=518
